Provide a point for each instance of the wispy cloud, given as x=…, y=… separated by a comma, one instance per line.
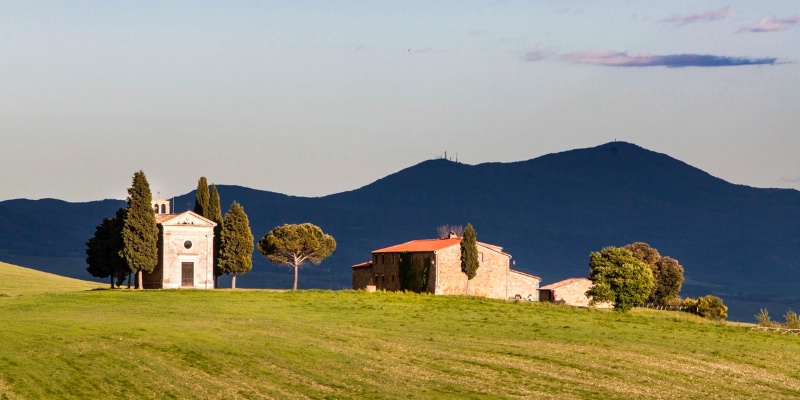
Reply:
x=706, y=16
x=538, y=55
x=773, y=24
x=476, y=32
x=623, y=59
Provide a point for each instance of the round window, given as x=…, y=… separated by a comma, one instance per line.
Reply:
x=187, y=244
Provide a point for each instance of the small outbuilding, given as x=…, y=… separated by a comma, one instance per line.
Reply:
x=570, y=291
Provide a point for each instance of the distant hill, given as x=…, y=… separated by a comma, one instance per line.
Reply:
x=739, y=242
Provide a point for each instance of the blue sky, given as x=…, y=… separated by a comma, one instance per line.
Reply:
x=312, y=98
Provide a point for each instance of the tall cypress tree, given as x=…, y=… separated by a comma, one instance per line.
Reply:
x=215, y=214
x=469, y=254
x=236, y=243
x=201, y=197
x=140, y=233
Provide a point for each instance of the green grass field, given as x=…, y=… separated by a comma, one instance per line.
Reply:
x=60, y=339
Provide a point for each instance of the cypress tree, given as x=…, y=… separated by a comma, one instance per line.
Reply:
x=140, y=233
x=469, y=254
x=215, y=214
x=202, y=198
x=236, y=243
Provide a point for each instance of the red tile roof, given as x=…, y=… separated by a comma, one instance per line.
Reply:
x=559, y=284
x=430, y=245
x=424, y=245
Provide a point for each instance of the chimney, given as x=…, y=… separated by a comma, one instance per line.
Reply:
x=452, y=235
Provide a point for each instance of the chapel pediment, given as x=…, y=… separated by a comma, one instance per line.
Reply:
x=184, y=218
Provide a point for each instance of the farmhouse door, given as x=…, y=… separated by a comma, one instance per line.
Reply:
x=187, y=274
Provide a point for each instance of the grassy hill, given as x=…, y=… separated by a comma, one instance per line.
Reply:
x=19, y=281
x=71, y=342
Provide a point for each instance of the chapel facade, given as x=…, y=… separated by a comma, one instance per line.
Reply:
x=185, y=250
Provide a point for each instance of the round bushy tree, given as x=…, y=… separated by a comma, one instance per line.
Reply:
x=104, y=250
x=668, y=279
x=619, y=277
x=294, y=244
x=667, y=273
x=643, y=251
x=98, y=252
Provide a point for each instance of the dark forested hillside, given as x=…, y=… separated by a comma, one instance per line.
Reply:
x=739, y=242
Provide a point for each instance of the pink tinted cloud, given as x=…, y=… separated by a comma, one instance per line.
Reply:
x=790, y=179
x=773, y=24
x=623, y=59
x=707, y=16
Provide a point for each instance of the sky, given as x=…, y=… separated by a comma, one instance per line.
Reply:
x=310, y=98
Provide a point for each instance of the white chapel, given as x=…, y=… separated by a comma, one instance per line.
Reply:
x=185, y=250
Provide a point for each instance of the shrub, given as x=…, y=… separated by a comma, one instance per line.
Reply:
x=689, y=302
x=792, y=322
x=711, y=307
x=675, y=301
x=763, y=318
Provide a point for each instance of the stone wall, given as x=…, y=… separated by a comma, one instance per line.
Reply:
x=523, y=285
x=489, y=281
x=362, y=276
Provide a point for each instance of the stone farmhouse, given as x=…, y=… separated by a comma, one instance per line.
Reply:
x=185, y=251
x=571, y=292
x=494, y=278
